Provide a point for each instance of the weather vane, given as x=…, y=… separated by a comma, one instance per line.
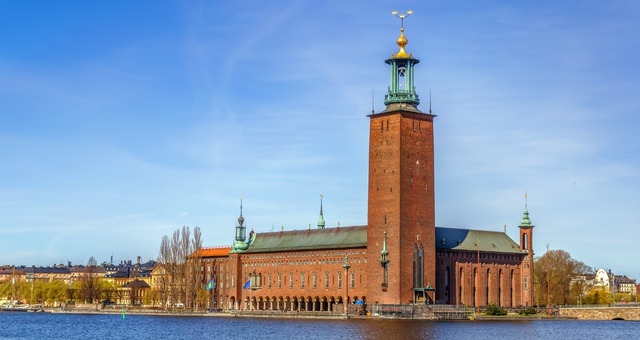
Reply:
x=402, y=16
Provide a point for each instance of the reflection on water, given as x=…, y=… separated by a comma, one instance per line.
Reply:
x=72, y=326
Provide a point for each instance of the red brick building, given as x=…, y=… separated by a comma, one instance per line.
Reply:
x=400, y=257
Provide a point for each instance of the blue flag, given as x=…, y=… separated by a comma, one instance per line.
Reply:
x=247, y=285
x=211, y=285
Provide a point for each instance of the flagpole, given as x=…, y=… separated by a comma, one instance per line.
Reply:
x=250, y=291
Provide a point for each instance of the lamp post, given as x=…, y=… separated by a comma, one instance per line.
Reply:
x=346, y=267
x=548, y=284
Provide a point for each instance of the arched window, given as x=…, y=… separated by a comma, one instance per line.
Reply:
x=418, y=266
x=461, y=284
x=500, y=287
x=446, y=285
x=475, y=286
x=511, y=284
x=488, y=283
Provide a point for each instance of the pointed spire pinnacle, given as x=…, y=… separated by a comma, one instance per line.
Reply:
x=240, y=219
x=321, y=223
x=526, y=222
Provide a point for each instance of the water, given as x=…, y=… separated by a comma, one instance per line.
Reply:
x=102, y=326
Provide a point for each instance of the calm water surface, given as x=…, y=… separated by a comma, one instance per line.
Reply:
x=75, y=326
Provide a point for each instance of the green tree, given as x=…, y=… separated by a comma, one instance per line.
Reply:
x=597, y=296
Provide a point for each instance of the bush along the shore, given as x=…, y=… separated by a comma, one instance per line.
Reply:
x=528, y=311
x=493, y=309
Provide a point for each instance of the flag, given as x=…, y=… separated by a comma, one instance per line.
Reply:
x=211, y=285
x=247, y=285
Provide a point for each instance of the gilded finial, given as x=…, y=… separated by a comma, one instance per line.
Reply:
x=402, y=40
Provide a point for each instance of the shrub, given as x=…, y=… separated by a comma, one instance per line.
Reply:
x=493, y=309
x=528, y=311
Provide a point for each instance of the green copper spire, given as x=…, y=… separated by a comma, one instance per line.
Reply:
x=526, y=222
x=321, y=219
x=401, y=88
x=241, y=234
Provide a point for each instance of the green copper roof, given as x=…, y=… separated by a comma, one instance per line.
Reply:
x=468, y=239
x=526, y=222
x=327, y=238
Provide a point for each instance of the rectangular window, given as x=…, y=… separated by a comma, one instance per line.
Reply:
x=302, y=280
x=352, y=279
x=526, y=282
x=315, y=280
x=326, y=280
x=269, y=283
x=290, y=280
x=279, y=280
x=340, y=279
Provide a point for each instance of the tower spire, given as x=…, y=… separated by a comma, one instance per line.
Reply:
x=401, y=89
x=526, y=222
x=321, y=218
x=241, y=233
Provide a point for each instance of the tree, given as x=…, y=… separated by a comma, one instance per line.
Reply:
x=180, y=273
x=554, y=272
x=90, y=288
x=194, y=267
x=597, y=296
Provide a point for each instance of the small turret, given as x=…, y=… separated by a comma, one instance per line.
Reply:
x=241, y=234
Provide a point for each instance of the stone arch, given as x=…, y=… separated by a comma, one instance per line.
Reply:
x=287, y=303
x=324, y=304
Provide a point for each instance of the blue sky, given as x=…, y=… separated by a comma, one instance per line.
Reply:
x=123, y=121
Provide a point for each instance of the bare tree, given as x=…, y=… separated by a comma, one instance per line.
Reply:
x=194, y=267
x=164, y=262
x=90, y=288
x=181, y=273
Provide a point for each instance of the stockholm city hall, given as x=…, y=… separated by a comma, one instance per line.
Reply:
x=399, y=257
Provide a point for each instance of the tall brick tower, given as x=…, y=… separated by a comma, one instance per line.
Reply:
x=401, y=210
x=526, y=245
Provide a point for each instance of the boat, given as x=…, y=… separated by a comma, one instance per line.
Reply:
x=14, y=308
x=35, y=309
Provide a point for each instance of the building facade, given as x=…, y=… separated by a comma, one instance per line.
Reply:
x=399, y=257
